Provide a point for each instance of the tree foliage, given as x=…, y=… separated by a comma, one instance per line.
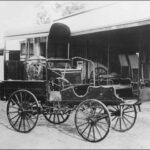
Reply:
x=50, y=10
x=43, y=17
x=68, y=8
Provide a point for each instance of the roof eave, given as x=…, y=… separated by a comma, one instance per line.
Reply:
x=112, y=27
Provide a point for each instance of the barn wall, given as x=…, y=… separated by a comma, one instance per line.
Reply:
x=124, y=41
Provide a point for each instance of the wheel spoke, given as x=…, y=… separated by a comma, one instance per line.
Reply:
x=103, y=123
x=62, y=116
x=14, y=107
x=124, y=122
x=103, y=117
x=114, y=118
x=24, y=126
x=28, y=122
x=127, y=107
x=58, y=118
x=89, y=131
x=120, y=123
x=50, y=116
x=81, y=118
x=94, y=112
x=20, y=124
x=93, y=133
x=101, y=127
x=110, y=110
x=82, y=124
x=128, y=116
x=11, y=112
x=100, y=111
x=114, y=107
x=98, y=131
x=17, y=100
x=31, y=120
x=118, y=107
x=127, y=120
x=16, y=121
x=128, y=111
x=54, y=117
x=14, y=117
x=85, y=129
x=116, y=122
x=13, y=101
x=29, y=111
x=86, y=113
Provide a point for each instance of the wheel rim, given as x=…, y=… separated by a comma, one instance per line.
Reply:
x=92, y=120
x=22, y=111
x=56, y=113
x=125, y=121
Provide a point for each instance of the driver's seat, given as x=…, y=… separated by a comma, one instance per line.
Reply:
x=73, y=76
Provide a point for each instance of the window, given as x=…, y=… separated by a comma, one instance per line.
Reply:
x=43, y=49
x=24, y=49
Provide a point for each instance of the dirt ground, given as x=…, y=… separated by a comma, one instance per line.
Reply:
x=65, y=136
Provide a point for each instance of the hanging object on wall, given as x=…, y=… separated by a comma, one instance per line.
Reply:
x=123, y=60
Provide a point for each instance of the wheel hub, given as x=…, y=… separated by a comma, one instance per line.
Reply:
x=21, y=113
x=117, y=113
x=92, y=120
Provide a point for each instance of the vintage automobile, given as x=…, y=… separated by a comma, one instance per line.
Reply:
x=56, y=87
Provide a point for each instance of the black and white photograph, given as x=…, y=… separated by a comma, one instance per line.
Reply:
x=74, y=74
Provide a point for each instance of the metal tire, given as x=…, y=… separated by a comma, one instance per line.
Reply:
x=92, y=115
x=124, y=122
x=22, y=111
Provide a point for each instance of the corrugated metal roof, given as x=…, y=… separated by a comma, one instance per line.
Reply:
x=122, y=14
x=119, y=15
x=29, y=32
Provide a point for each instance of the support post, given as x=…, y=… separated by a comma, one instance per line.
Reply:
x=139, y=60
x=5, y=59
x=68, y=56
x=108, y=51
x=46, y=58
x=46, y=69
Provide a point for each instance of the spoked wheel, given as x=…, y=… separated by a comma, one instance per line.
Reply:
x=92, y=120
x=22, y=111
x=56, y=113
x=123, y=121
